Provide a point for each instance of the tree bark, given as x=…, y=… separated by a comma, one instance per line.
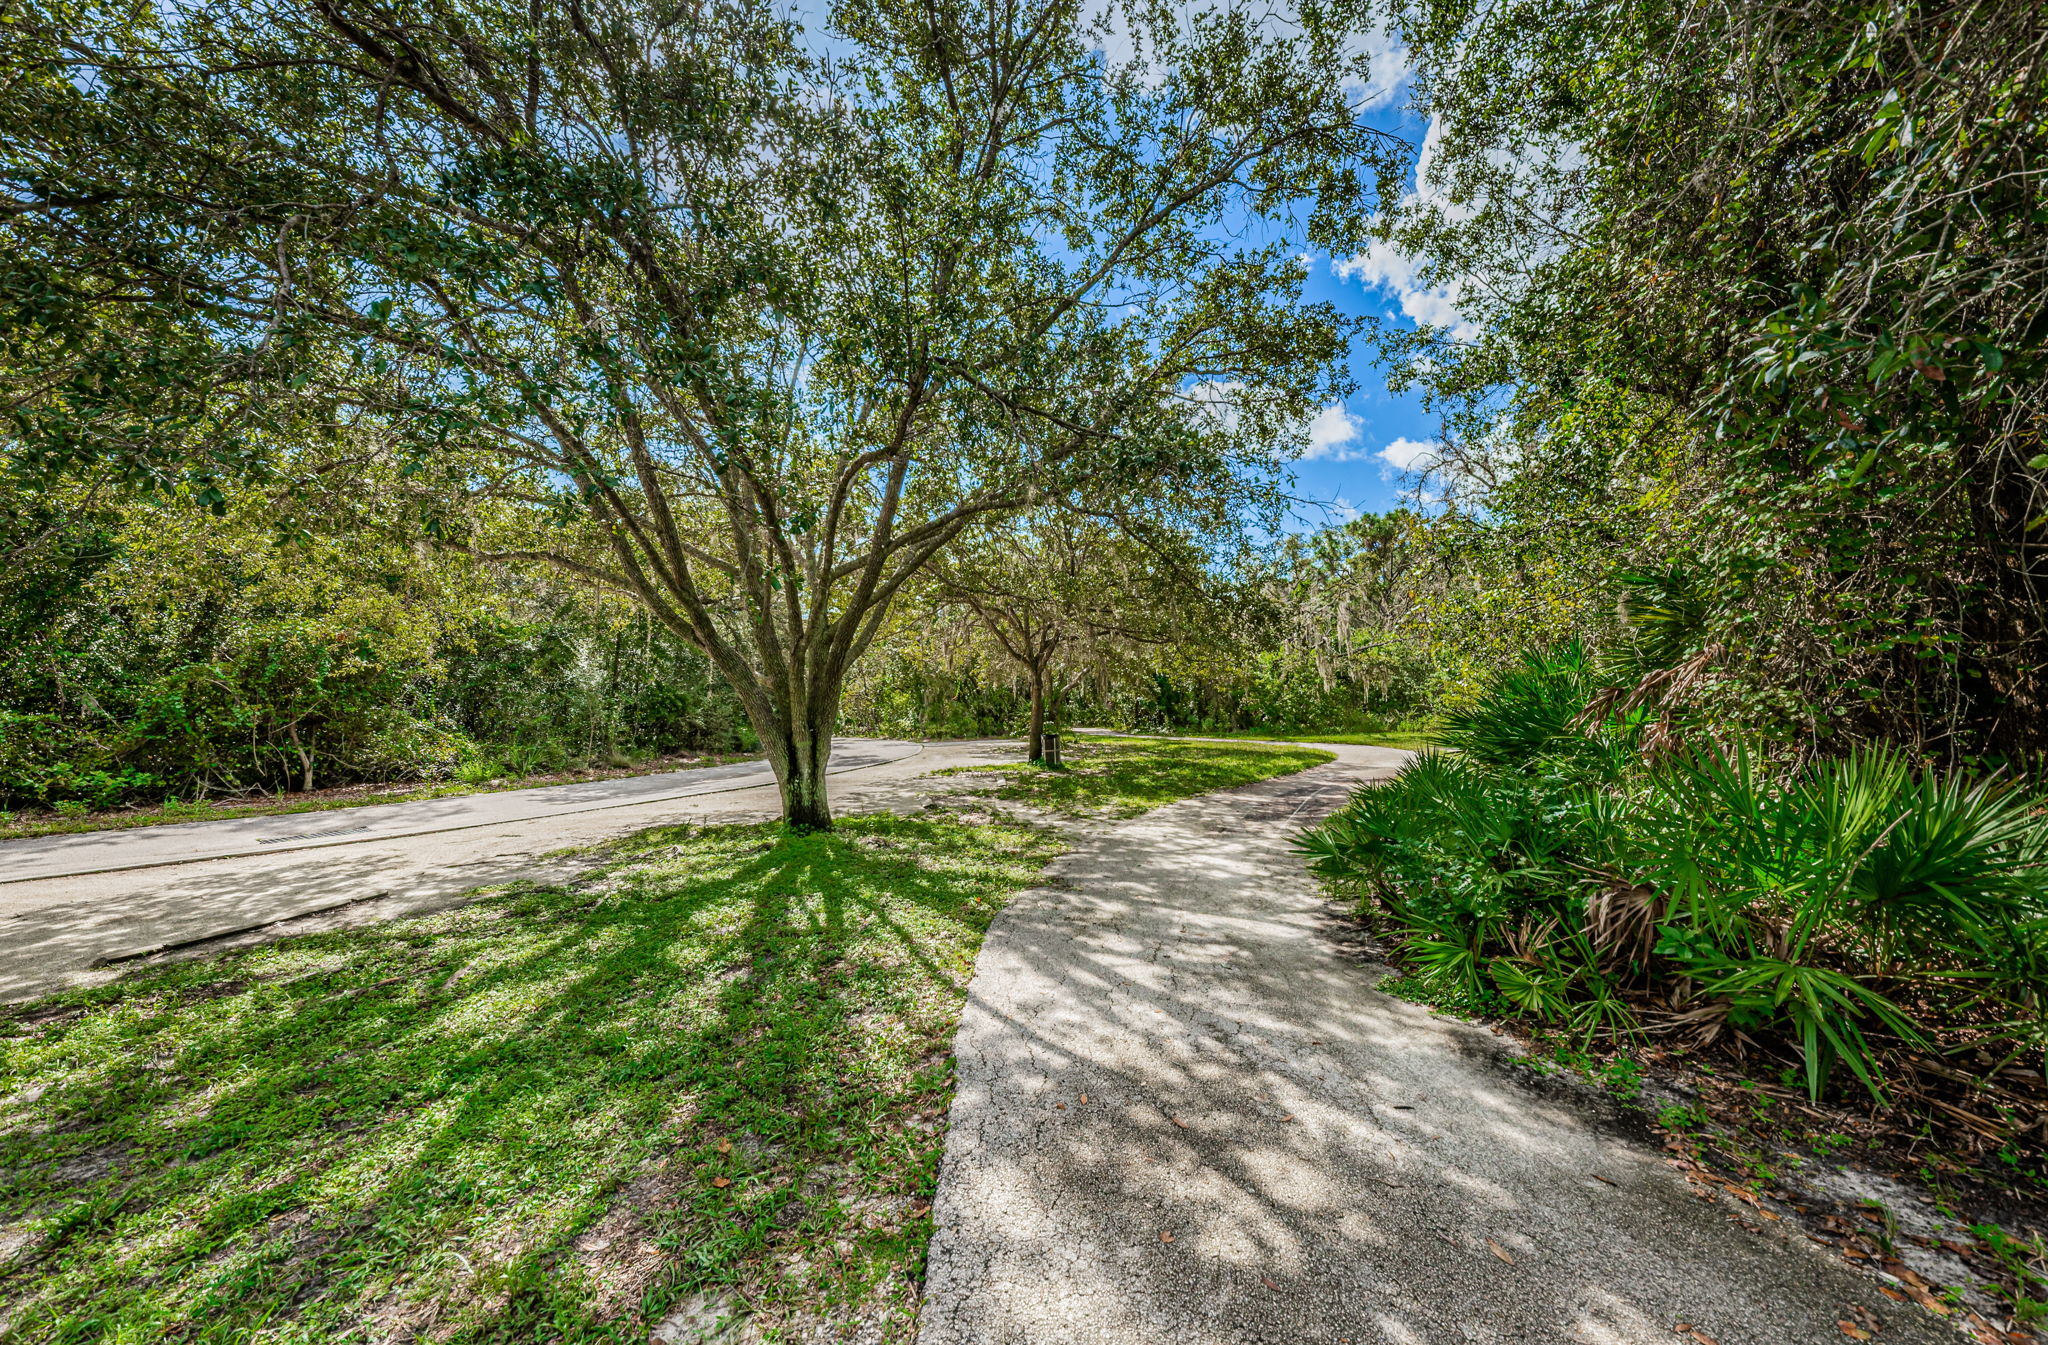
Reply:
x=1036, y=738
x=799, y=748
x=305, y=757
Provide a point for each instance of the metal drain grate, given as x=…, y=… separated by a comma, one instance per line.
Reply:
x=312, y=835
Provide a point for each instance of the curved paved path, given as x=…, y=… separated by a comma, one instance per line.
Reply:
x=1331, y=1164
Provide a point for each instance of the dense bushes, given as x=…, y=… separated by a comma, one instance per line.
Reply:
x=1273, y=692
x=1738, y=289
x=1844, y=916
x=165, y=652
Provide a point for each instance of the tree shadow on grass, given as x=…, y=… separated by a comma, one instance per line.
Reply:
x=401, y=1130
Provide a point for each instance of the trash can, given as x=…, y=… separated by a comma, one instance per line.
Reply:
x=1049, y=744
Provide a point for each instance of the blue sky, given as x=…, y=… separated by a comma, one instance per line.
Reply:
x=1356, y=450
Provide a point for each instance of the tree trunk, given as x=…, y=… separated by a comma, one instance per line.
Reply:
x=1036, y=737
x=305, y=757
x=798, y=753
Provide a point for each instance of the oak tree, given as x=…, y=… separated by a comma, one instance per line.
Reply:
x=654, y=295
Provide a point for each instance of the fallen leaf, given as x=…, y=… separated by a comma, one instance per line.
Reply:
x=1890, y=1292
x=1268, y=1282
x=1084, y=1099
x=1285, y=1119
x=920, y=1211
x=1166, y=1237
x=1500, y=1251
x=721, y=1182
x=725, y=1146
x=1061, y=1105
x=1687, y=1329
x=1853, y=1331
x=1609, y=1180
x=1177, y=1121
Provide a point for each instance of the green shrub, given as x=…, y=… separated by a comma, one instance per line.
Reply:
x=1527, y=714
x=1545, y=871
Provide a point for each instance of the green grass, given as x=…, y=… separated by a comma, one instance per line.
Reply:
x=511, y=1121
x=1127, y=776
x=550, y=1115
x=17, y=826
x=1408, y=737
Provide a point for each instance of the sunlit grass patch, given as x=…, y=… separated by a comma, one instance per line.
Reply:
x=1409, y=736
x=1127, y=776
x=710, y=1075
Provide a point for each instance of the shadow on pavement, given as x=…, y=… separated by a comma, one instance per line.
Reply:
x=1330, y=1163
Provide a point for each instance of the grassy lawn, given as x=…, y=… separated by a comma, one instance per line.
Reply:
x=1409, y=737
x=16, y=826
x=1125, y=776
x=551, y=1115
x=708, y=1079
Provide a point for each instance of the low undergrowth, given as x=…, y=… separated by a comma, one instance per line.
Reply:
x=707, y=1081
x=1409, y=735
x=1122, y=777
x=1857, y=929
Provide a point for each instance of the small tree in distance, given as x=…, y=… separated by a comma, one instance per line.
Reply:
x=1063, y=594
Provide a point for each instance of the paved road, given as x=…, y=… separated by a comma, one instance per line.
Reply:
x=1331, y=1164
x=180, y=843
x=82, y=928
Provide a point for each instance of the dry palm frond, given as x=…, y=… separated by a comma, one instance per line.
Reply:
x=1621, y=919
x=1665, y=688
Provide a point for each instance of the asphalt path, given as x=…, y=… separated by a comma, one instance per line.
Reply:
x=185, y=842
x=1184, y=1113
x=134, y=895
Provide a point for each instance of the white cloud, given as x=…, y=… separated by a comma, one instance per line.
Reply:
x=1220, y=403
x=1108, y=29
x=1535, y=179
x=1393, y=272
x=1390, y=67
x=1410, y=455
x=1333, y=433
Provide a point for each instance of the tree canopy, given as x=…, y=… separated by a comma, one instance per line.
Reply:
x=743, y=334
x=1765, y=277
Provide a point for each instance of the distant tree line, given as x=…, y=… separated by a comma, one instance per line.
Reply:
x=155, y=651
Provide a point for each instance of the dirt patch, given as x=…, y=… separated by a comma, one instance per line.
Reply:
x=619, y=1253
